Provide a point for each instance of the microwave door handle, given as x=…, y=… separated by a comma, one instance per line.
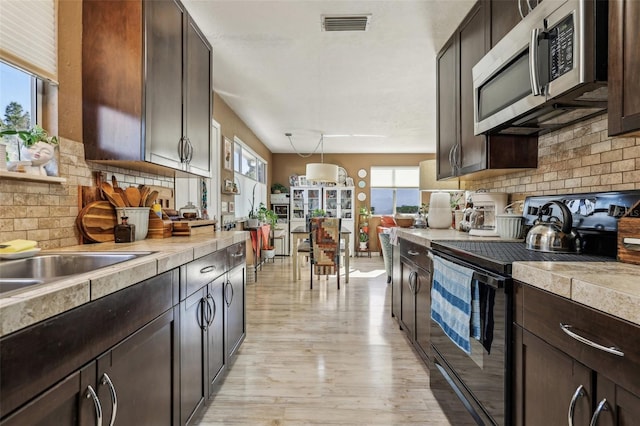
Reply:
x=533, y=62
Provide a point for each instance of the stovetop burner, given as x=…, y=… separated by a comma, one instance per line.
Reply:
x=497, y=256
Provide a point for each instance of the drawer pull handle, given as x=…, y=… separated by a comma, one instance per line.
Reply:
x=602, y=406
x=207, y=269
x=96, y=402
x=236, y=254
x=106, y=380
x=580, y=392
x=413, y=253
x=612, y=350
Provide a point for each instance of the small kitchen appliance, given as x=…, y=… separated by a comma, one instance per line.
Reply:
x=483, y=217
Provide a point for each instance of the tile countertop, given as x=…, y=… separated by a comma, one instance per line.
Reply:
x=610, y=287
x=37, y=303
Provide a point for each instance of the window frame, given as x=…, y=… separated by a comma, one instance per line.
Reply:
x=394, y=186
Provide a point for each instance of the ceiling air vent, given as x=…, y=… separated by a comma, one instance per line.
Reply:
x=345, y=22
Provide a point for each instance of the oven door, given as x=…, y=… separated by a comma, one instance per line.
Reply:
x=481, y=380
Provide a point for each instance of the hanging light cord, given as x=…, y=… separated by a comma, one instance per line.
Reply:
x=320, y=142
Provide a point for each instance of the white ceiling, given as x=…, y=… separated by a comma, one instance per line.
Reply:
x=280, y=73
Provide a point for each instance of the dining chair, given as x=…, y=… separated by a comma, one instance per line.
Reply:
x=324, y=254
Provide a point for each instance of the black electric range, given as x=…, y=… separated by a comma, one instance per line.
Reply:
x=497, y=256
x=455, y=374
x=594, y=215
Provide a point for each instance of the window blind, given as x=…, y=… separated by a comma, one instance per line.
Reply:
x=28, y=36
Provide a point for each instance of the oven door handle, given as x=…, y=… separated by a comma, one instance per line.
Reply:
x=489, y=280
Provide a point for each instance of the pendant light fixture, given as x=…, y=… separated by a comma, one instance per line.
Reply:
x=322, y=172
x=319, y=172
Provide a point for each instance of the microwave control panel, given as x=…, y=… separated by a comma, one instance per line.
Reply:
x=561, y=43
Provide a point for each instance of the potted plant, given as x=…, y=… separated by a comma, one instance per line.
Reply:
x=364, y=238
x=269, y=217
x=278, y=188
x=37, y=154
x=318, y=213
x=253, y=220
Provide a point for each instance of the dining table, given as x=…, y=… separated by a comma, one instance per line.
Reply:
x=300, y=233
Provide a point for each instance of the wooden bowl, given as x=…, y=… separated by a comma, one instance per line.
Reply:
x=404, y=222
x=189, y=215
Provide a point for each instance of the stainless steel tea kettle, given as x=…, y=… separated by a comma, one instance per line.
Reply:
x=554, y=235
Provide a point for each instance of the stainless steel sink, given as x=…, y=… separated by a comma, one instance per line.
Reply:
x=21, y=273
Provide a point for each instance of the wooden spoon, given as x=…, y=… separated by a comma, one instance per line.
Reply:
x=106, y=187
x=133, y=196
x=115, y=199
x=151, y=198
x=120, y=202
x=144, y=193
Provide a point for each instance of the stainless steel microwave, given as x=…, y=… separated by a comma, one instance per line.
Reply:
x=549, y=71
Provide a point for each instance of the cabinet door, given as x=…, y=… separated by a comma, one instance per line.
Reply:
x=621, y=408
x=215, y=332
x=67, y=403
x=408, y=307
x=396, y=284
x=198, y=107
x=141, y=371
x=549, y=379
x=504, y=16
x=163, y=82
x=624, y=67
x=234, y=309
x=447, y=101
x=474, y=43
x=193, y=330
x=423, y=312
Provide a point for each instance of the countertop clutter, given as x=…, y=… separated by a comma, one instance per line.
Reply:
x=19, y=310
x=610, y=287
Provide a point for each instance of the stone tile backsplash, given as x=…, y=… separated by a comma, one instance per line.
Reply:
x=578, y=158
x=46, y=212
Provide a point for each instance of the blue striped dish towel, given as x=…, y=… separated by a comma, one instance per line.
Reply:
x=451, y=301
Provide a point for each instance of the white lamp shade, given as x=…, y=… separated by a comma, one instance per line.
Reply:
x=322, y=172
x=429, y=181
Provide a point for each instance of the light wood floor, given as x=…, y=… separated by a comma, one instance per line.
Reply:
x=323, y=356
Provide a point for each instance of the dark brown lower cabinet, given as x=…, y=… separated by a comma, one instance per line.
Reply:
x=549, y=379
x=64, y=404
x=201, y=347
x=193, y=390
x=136, y=376
x=415, y=294
x=559, y=379
x=215, y=333
x=130, y=384
x=235, y=326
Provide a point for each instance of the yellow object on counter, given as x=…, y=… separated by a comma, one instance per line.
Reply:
x=15, y=246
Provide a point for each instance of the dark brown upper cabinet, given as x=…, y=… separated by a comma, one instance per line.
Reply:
x=147, y=87
x=624, y=67
x=459, y=151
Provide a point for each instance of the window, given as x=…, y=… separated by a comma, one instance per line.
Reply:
x=17, y=102
x=395, y=190
x=250, y=176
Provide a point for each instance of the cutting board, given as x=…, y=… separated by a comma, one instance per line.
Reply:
x=96, y=221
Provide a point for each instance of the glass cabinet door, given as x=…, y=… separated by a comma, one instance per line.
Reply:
x=331, y=202
x=297, y=204
x=346, y=202
x=313, y=200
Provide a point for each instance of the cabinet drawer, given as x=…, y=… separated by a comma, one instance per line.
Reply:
x=542, y=314
x=416, y=254
x=236, y=255
x=204, y=270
